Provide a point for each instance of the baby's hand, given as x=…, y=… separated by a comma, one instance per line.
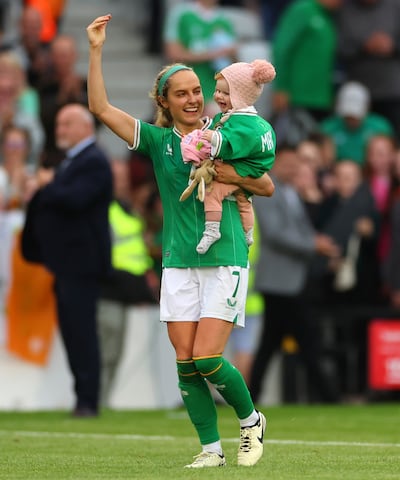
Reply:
x=207, y=135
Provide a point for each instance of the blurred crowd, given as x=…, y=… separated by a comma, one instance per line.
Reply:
x=335, y=107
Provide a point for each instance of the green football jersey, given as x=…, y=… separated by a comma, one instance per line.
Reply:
x=353, y=143
x=197, y=31
x=183, y=222
x=247, y=141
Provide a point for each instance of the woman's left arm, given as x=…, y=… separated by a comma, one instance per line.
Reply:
x=262, y=186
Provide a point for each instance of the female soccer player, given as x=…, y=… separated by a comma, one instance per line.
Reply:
x=202, y=296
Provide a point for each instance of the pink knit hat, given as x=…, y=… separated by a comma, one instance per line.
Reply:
x=246, y=81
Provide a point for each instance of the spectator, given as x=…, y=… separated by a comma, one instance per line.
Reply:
x=351, y=284
x=392, y=261
x=14, y=156
x=32, y=51
x=14, y=109
x=62, y=85
x=67, y=230
x=369, y=41
x=288, y=244
x=309, y=152
x=319, y=153
x=353, y=124
x=306, y=184
x=199, y=34
x=14, y=176
x=27, y=97
x=379, y=175
x=314, y=180
x=51, y=12
x=304, y=52
x=350, y=211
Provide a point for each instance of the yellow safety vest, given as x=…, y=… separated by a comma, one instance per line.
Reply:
x=129, y=250
x=255, y=301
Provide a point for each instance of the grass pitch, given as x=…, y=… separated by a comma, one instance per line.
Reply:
x=301, y=442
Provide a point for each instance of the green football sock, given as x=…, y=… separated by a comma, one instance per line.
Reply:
x=228, y=381
x=198, y=401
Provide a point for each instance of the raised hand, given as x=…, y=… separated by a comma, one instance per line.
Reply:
x=96, y=31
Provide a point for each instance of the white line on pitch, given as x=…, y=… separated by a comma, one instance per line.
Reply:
x=120, y=436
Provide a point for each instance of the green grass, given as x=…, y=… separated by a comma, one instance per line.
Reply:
x=302, y=442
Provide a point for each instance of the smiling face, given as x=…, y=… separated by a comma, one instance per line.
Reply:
x=184, y=100
x=222, y=95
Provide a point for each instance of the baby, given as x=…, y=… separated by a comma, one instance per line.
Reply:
x=240, y=137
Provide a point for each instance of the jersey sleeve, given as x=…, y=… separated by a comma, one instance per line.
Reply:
x=249, y=146
x=147, y=138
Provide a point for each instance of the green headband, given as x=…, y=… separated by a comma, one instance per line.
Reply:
x=167, y=74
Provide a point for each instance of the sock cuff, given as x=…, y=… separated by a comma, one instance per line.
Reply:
x=186, y=368
x=208, y=365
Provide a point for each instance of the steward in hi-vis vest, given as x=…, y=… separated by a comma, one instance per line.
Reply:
x=131, y=260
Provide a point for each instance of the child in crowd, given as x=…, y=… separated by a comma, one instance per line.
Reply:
x=240, y=136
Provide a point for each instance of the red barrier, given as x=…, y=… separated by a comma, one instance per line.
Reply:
x=384, y=354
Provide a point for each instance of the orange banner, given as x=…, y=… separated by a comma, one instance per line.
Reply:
x=30, y=309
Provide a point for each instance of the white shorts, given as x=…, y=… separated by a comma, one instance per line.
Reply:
x=188, y=294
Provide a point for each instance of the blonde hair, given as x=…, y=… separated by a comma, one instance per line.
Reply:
x=11, y=63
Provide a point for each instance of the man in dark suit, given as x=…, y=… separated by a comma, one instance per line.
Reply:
x=67, y=230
